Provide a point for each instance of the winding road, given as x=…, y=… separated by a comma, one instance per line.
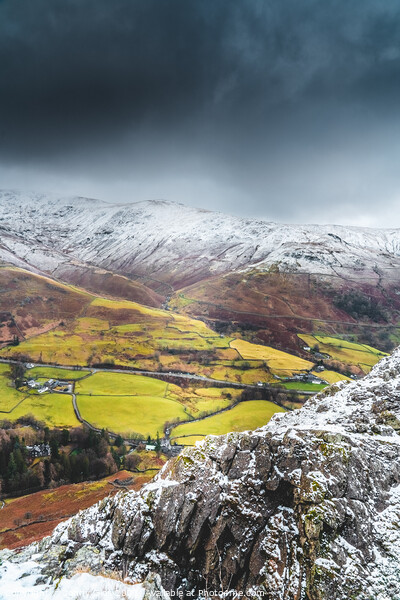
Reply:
x=163, y=375
x=158, y=374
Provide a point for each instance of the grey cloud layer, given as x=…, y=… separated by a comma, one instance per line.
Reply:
x=271, y=99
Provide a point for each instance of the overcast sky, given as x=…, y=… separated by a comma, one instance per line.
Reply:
x=287, y=110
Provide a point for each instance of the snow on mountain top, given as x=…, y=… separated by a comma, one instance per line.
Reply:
x=163, y=238
x=15, y=198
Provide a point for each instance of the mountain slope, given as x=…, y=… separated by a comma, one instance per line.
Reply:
x=177, y=245
x=306, y=507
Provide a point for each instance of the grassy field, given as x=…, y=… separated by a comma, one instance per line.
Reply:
x=180, y=322
x=90, y=330
x=127, y=414
x=304, y=387
x=348, y=353
x=124, y=333
x=54, y=409
x=55, y=373
x=209, y=400
x=188, y=440
x=127, y=334
x=244, y=416
x=62, y=324
x=120, y=384
x=331, y=376
x=276, y=360
x=340, y=343
x=85, y=324
x=134, y=403
x=237, y=374
x=127, y=403
x=124, y=403
x=57, y=346
x=9, y=396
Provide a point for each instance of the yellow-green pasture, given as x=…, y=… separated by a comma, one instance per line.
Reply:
x=120, y=402
x=55, y=373
x=279, y=362
x=57, y=346
x=124, y=333
x=244, y=416
x=55, y=410
x=349, y=353
x=146, y=415
x=331, y=376
x=236, y=374
x=136, y=403
x=208, y=400
x=9, y=396
x=120, y=384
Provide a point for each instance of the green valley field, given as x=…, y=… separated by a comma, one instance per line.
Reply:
x=55, y=324
x=246, y=415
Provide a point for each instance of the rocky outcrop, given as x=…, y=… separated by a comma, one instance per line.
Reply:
x=306, y=507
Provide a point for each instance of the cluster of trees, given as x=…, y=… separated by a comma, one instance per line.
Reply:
x=342, y=368
x=14, y=473
x=17, y=374
x=228, y=328
x=384, y=339
x=76, y=455
x=277, y=394
x=359, y=305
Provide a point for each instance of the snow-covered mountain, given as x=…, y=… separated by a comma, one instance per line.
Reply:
x=306, y=507
x=178, y=244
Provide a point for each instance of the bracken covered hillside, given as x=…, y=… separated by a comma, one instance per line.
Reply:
x=306, y=507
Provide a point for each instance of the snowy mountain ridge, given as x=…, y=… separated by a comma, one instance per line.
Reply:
x=306, y=507
x=176, y=243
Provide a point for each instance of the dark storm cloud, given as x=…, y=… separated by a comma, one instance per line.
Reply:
x=267, y=101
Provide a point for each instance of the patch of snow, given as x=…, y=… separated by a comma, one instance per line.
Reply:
x=19, y=580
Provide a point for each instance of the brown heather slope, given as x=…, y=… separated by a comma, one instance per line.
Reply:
x=102, y=282
x=30, y=518
x=31, y=303
x=273, y=307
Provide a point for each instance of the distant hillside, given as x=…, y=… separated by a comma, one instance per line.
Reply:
x=266, y=282
x=170, y=245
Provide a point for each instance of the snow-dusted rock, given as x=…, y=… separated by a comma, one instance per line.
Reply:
x=19, y=580
x=306, y=507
